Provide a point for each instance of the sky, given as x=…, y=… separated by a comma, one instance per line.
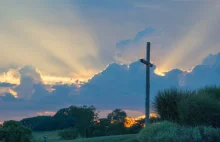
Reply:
x=85, y=52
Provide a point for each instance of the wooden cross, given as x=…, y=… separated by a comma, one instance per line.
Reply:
x=147, y=99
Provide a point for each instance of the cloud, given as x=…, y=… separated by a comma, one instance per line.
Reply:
x=131, y=49
x=46, y=113
x=7, y=97
x=118, y=86
x=28, y=77
x=6, y=84
x=50, y=36
x=126, y=83
x=11, y=76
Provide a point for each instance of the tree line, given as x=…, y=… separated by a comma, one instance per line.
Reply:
x=83, y=121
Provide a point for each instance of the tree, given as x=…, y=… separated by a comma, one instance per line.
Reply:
x=14, y=131
x=74, y=116
x=117, y=115
x=99, y=128
x=37, y=123
x=84, y=116
x=116, y=128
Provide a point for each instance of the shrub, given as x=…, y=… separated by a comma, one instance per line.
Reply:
x=162, y=132
x=166, y=103
x=170, y=132
x=155, y=119
x=212, y=91
x=135, y=129
x=116, y=128
x=69, y=134
x=200, y=109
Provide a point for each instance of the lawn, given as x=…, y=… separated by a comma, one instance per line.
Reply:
x=52, y=137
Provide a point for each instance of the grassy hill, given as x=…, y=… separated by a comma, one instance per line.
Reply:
x=53, y=137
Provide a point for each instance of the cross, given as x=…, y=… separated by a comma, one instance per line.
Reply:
x=147, y=99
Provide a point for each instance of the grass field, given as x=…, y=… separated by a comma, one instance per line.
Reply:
x=52, y=137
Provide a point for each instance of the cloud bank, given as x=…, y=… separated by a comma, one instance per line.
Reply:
x=118, y=86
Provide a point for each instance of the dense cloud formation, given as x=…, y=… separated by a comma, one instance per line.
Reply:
x=118, y=86
x=132, y=49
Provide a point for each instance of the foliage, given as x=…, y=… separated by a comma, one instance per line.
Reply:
x=135, y=129
x=84, y=116
x=13, y=131
x=212, y=91
x=33, y=121
x=74, y=116
x=166, y=103
x=200, y=109
x=155, y=120
x=192, y=108
x=116, y=128
x=99, y=128
x=1, y=133
x=170, y=132
x=69, y=134
x=117, y=115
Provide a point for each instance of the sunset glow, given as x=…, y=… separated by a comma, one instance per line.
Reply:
x=132, y=121
x=159, y=72
x=15, y=94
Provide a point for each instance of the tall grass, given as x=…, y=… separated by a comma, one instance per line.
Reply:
x=199, y=110
x=191, y=108
x=212, y=91
x=167, y=101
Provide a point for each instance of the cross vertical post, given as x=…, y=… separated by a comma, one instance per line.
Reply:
x=147, y=97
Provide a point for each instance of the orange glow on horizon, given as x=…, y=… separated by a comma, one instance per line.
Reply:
x=129, y=122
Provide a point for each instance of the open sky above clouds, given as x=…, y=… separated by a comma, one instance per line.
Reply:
x=73, y=52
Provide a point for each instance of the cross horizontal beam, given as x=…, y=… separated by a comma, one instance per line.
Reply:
x=146, y=62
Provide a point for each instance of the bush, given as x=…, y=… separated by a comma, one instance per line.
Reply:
x=166, y=103
x=212, y=91
x=135, y=129
x=13, y=131
x=69, y=134
x=162, y=132
x=116, y=128
x=170, y=132
x=200, y=109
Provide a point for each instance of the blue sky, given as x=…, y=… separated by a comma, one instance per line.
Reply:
x=60, y=53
